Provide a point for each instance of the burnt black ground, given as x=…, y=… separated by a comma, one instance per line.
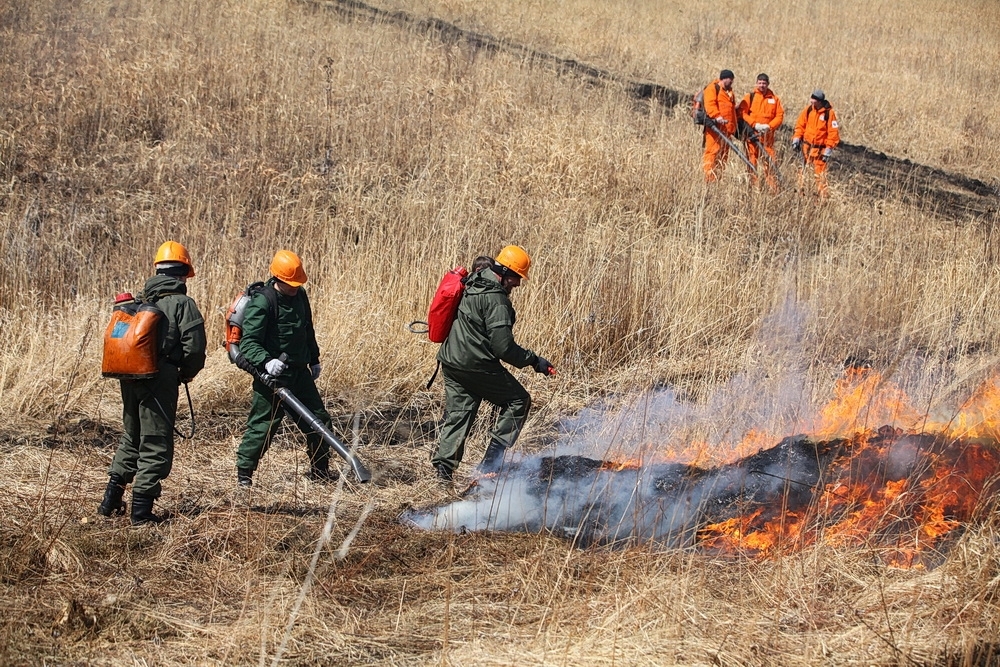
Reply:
x=887, y=485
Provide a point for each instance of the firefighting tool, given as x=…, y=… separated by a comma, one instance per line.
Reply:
x=289, y=399
x=729, y=142
x=132, y=346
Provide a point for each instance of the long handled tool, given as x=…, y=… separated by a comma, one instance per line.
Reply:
x=360, y=471
x=729, y=142
x=755, y=138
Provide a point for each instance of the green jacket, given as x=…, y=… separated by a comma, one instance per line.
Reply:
x=182, y=331
x=292, y=331
x=482, y=335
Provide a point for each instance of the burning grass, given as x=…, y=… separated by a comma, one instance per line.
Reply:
x=902, y=493
x=385, y=157
x=905, y=497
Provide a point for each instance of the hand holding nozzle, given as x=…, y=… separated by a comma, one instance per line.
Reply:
x=543, y=366
x=273, y=368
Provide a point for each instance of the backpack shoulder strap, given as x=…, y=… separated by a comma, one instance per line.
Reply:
x=305, y=299
x=271, y=295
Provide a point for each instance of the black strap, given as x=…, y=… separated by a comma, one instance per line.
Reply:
x=431, y=381
x=173, y=425
x=271, y=295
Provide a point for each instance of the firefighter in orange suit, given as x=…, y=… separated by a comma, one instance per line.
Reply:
x=720, y=107
x=817, y=133
x=762, y=111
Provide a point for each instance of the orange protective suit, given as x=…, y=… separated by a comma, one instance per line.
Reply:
x=763, y=109
x=818, y=131
x=719, y=103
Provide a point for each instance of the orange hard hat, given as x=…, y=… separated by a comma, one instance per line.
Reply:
x=287, y=267
x=516, y=259
x=172, y=251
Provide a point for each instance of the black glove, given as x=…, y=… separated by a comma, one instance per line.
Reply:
x=543, y=366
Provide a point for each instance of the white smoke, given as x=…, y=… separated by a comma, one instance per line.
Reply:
x=565, y=491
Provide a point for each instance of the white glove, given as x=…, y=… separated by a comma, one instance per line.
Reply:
x=796, y=143
x=762, y=127
x=275, y=367
x=315, y=369
x=827, y=152
x=721, y=121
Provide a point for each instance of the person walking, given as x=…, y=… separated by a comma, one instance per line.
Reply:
x=817, y=133
x=480, y=339
x=145, y=453
x=278, y=321
x=762, y=111
x=720, y=111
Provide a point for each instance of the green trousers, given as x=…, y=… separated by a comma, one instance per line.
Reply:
x=145, y=454
x=464, y=392
x=267, y=411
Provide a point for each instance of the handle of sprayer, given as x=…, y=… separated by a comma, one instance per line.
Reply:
x=268, y=379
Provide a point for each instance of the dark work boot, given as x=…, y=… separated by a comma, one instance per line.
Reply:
x=244, y=478
x=443, y=473
x=113, y=505
x=142, y=510
x=320, y=472
x=493, y=458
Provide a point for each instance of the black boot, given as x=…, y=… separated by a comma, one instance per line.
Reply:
x=320, y=472
x=142, y=510
x=113, y=505
x=244, y=478
x=443, y=473
x=493, y=458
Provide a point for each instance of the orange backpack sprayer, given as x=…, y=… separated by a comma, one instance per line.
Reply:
x=131, y=341
x=132, y=347
x=234, y=321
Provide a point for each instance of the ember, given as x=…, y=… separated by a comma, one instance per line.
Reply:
x=905, y=494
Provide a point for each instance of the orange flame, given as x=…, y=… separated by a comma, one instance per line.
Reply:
x=865, y=501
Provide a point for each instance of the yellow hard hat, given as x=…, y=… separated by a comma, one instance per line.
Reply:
x=172, y=251
x=516, y=259
x=287, y=267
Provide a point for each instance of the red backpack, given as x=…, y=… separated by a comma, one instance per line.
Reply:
x=444, y=305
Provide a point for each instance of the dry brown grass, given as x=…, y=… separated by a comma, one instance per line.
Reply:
x=384, y=156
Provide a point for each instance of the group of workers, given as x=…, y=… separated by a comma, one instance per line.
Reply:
x=279, y=342
x=754, y=120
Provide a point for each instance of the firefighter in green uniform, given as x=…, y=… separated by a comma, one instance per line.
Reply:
x=268, y=332
x=481, y=337
x=149, y=407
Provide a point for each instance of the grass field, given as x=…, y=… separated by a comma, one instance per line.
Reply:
x=384, y=153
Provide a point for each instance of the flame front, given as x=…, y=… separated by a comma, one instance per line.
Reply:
x=903, y=488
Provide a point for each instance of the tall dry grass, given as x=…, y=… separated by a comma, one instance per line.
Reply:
x=384, y=157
